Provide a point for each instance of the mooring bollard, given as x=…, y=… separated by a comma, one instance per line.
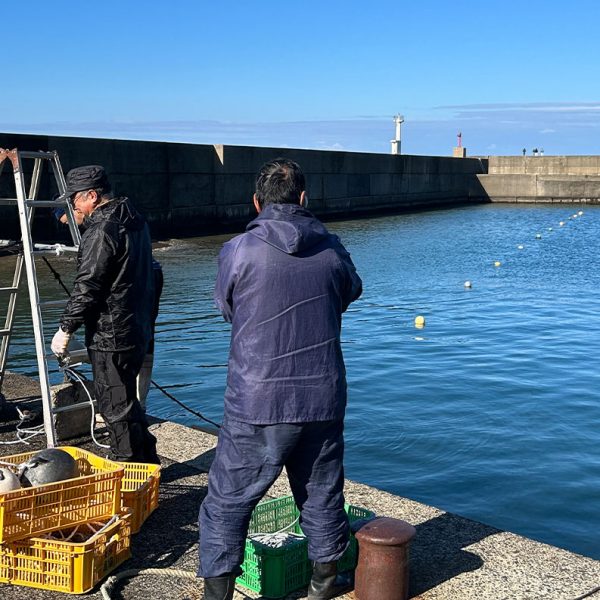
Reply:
x=382, y=570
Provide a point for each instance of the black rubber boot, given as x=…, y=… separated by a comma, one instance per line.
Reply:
x=219, y=588
x=326, y=583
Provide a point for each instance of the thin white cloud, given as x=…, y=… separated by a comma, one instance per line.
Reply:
x=548, y=130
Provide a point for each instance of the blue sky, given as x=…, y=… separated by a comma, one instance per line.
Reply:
x=329, y=74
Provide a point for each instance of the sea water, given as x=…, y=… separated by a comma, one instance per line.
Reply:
x=491, y=410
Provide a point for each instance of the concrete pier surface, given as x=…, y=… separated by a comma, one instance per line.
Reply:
x=451, y=558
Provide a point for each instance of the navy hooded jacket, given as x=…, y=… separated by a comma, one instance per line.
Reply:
x=284, y=285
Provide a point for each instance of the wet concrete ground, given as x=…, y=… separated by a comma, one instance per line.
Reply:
x=451, y=558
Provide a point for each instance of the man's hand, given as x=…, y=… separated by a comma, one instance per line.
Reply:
x=60, y=341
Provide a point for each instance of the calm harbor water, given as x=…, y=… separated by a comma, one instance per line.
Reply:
x=492, y=410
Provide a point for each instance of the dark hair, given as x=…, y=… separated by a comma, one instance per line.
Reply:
x=280, y=181
x=104, y=192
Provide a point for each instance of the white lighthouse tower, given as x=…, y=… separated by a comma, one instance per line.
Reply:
x=397, y=143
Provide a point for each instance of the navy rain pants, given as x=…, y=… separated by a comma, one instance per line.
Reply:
x=248, y=460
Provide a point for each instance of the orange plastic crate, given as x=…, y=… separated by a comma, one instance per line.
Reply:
x=63, y=566
x=93, y=496
x=139, y=492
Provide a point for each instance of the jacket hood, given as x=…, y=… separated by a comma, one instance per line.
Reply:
x=288, y=227
x=119, y=210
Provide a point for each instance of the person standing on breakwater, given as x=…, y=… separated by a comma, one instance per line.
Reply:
x=113, y=296
x=283, y=285
x=144, y=377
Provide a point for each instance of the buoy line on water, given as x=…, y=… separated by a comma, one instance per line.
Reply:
x=419, y=321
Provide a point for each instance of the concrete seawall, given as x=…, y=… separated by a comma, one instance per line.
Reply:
x=191, y=189
x=542, y=179
x=188, y=189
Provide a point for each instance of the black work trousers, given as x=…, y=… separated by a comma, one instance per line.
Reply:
x=115, y=390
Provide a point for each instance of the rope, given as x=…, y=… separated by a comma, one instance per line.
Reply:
x=197, y=414
x=108, y=585
x=158, y=387
x=56, y=275
x=588, y=594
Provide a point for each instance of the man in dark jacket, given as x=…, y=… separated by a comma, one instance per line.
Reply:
x=283, y=285
x=113, y=297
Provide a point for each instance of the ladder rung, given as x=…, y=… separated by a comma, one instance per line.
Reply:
x=46, y=203
x=9, y=289
x=53, y=303
x=77, y=406
x=36, y=154
x=38, y=203
x=56, y=248
x=4, y=332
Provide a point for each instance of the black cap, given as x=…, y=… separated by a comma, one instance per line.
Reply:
x=86, y=178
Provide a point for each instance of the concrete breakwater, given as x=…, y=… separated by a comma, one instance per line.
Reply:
x=190, y=189
x=542, y=179
x=193, y=189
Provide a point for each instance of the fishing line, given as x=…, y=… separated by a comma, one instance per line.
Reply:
x=58, y=277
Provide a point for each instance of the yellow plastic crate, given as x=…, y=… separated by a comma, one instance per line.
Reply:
x=63, y=566
x=93, y=496
x=139, y=492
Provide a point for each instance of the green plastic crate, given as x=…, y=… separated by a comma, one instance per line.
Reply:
x=275, y=572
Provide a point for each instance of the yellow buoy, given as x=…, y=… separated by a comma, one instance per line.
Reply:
x=419, y=321
x=497, y=263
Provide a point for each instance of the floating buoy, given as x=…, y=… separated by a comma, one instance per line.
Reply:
x=468, y=284
x=561, y=223
x=419, y=321
x=580, y=213
x=538, y=236
x=549, y=228
x=575, y=216
x=48, y=466
x=497, y=263
x=520, y=247
x=8, y=481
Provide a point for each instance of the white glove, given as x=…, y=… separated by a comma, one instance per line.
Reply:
x=60, y=341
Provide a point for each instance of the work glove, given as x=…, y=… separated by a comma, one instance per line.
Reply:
x=60, y=341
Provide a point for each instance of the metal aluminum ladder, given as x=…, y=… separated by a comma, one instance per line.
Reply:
x=26, y=204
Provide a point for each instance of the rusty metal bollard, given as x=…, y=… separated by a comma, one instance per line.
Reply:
x=382, y=570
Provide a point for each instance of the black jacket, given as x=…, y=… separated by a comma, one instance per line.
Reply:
x=113, y=294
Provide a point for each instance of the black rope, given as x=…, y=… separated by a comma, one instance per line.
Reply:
x=197, y=414
x=56, y=275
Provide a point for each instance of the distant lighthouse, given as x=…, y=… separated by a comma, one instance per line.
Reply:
x=458, y=151
x=397, y=143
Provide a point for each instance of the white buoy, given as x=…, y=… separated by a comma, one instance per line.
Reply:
x=468, y=284
x=520, y=247
x=538, y=236
x=549, y=228
x=580, y=213
x=561, y=223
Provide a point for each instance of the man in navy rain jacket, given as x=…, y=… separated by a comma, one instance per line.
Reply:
x=283, y=285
